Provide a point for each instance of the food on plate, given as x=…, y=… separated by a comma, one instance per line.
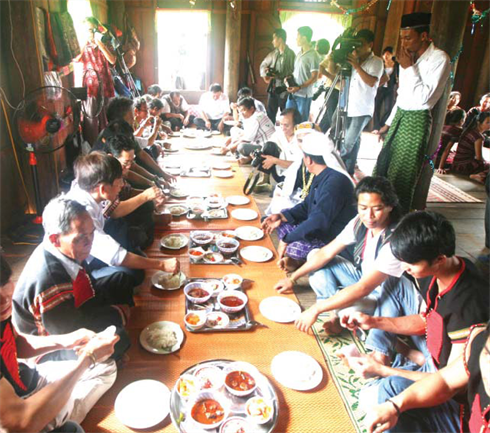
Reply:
x=216, y=320
x=216, y=213
x=198, y=210
x=174, y=241
x=235, y=424
x=213, y=257
x=198, y=293
x=207, y=411
x=178, y=193
x=162, y=338
x=232, y=280
x=232, y=301
x=178, y=210
x=187, y=385
x=193, y=319
x=194, y=252
x=210, y=377
x=259, y=409
x=229, y=234
x=169, y=281
x=240, y=381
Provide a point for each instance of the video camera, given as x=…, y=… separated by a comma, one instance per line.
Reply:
x=347, y=42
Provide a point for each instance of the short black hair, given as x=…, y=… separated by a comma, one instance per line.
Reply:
x=297, y=119
x=421, y=236
x=5, y=271
x=388, y=49
x=215, y=88
x=246, y=102
x=455, y=116
x=120, y=126
x=118, y=107
x=95, y=169
x=384, y=188
x=174, y=93
x=365, y=34
x=280, y=33
x=317, y=159
x=155, y=104
x=322, y=47
x=154, y=90
x=307, y=32
x=119, y=143
x=139, y=102
x=243, y=92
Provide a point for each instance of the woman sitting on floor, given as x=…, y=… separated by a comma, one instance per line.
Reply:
x=469, y=159
x=450, y=135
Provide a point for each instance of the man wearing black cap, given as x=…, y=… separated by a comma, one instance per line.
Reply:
x=424, y=70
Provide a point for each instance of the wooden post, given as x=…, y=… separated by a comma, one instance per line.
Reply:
x=392, y=30
x=482, y=85
x=448, y=24
x=232, y=48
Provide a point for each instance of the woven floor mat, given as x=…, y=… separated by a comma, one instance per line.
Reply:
x=443, y=192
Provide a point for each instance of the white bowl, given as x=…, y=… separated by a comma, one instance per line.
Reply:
x=202, y=320
x=234, y=424
x=227, y=246
x=256, y=409
x=191, y=388
x=205, y=395
x=243, y=374
x=202, y=237
x=228, y=293
x=196, y=258
x=197, y=285
x=232, y=281
x=210, y=378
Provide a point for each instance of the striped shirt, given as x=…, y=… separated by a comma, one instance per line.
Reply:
x=257, y=129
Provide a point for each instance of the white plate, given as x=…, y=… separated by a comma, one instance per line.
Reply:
x=156, y=276
x=223, y=174
x=161, y=325
x=249, y=233
x=184, y=211
x=217, y=151
x=184, y=240
x=244, y=214
x=229, y=122
x=237, y=200
x=256, y=254
x=224, y=319
x=215, y=132
x=221, y=166
x=143, y=404
x=177, y=193
x=197, y=146
x=279, y=309
x=296, y=370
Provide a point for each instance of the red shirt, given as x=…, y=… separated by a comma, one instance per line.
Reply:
x=93, y=58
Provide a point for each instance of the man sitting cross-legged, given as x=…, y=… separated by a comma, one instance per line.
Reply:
x=56, y=295
x=325, y=212
x=369, y=233
x=53, y=396
x=456, y=297
x=99, y=178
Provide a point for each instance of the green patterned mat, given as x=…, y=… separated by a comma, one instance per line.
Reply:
x=345, y=379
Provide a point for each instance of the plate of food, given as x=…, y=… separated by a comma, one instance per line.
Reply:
x=237, y=200
x=296, y=370
x=249, y=233
x=256, y=254
x=178, y=193
x=217, y=320
x=215, y=133
x=244, y=214
x=280, y=309
x=174, y=241
x=167, y=281
x=221, y=165
x=162, y=337
x=224, y=174
x=214, y=258
x=143, y=404
x=177, y=210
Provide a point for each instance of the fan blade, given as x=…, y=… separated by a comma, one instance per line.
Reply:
x=31, y=132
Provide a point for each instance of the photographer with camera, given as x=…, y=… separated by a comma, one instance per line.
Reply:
x=306, y=65
x=278, y=65
x=366, y=71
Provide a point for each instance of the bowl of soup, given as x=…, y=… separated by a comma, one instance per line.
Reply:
x=202, y=237
x=240, y=381
x=232, y=301
x=197, y=292
x=259, y=410
x=208, y=410
x=227, y=246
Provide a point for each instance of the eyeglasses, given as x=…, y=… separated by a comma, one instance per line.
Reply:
x=126, y=164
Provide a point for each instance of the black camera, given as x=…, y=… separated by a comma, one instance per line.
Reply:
x=291, y=82
x=344, y=45
x=318, y=92
x=270, y=72
x=257, y=158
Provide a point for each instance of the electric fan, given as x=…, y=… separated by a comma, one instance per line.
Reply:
x=46, y=119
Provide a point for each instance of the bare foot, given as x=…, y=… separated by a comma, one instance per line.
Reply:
x=332, y=326
x=413, y=354
x=379, y=357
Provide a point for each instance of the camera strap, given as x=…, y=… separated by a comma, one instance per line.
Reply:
x=252, y=180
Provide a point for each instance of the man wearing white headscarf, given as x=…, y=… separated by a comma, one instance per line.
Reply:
x=326, y=210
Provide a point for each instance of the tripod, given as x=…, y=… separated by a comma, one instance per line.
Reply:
x=338, y=131
x=123, y=68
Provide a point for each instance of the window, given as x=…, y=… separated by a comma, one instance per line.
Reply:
x=183, y=41
x=79, y=10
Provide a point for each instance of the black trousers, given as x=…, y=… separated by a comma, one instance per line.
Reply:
x=201, y=123
x=275, y=102
x=326, y=122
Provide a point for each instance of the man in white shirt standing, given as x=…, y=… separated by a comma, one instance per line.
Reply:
x=213, y=105
x=367, y=69
x=424, y=70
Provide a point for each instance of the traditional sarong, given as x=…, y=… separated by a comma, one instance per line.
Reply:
x=300, y=249
x=403, y=152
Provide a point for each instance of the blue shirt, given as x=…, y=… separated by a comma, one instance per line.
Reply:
x=325, y=212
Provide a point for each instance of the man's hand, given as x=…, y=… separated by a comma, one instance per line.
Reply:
x=284, y=286
x=179, y=116
x=293, y=89
x=268, y=162
x=366, y=366
x=306, y=320
x=76, y=339
x=170, y=265
x=271, y=223
x=382, y=417
x=101, y=346
x=353, y=61
x=186, y=121
x=281, y=249
x=152, y=193
x=208, y=124
x=382, y=132
x=405, y=58
x=357, y=319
